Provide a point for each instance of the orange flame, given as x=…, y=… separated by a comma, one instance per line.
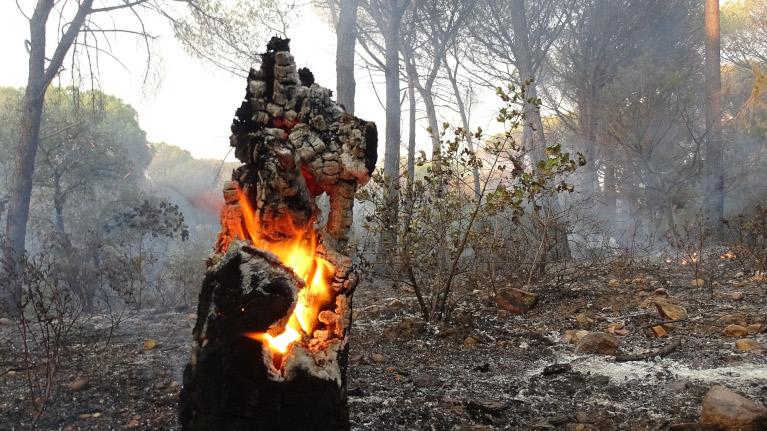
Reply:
x=298, y=253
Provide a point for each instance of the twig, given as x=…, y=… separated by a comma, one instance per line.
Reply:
x=651, y=354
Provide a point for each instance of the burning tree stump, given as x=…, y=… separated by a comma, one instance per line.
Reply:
x=271, y=340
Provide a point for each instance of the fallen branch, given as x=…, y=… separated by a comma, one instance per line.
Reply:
x=651, y=354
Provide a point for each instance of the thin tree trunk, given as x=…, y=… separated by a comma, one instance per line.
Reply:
x=714, y=152
x=534, y=124
x=58, y=205
x=411, y=131
x=388, y=236
x=38, y=79
x=452, y=76
x=346, y=36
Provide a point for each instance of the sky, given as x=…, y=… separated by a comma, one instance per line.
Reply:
x=193, y=103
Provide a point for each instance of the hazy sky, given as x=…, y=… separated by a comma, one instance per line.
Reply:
x=193, y=104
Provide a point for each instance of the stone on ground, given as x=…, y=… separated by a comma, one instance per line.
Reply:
x=516, y=301
x=599, y=343
x=728, y=411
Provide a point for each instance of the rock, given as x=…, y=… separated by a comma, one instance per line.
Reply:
x=553, y=369
x=469, y=342
x=423, y=380
x=583, y=320
x=134, y=422
x=599, y=343
x=659, y=331
x=614, y=283
x=755, y=328
x=408, y=328
x=660, y=292
x=573, y=336
x=726, y=410
x=482, y=368
x=79, y=384
x=733, y=330
x=516, y=301
x=617, y=329
x=572, y=426
x=746, y=345
x=736, y=296
x=150, y=344
x=737, y=319
x=670, y=311
x=377, y=358
x=5, y=321
x=490, y=407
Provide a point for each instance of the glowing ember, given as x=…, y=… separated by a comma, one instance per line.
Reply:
x=729, y=255
x=298, y=253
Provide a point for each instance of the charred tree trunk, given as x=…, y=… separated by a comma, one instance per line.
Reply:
x=274, y=314
x=714, y=152
x=346, y=36
x=388, y=238
x=534, y=123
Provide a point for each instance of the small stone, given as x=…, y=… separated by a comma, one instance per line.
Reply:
x=150, y=344
x=599, y=343
x=659, y=331
x=5, y=321
x=573, y=336
x=747, y=345
x=583, y=320
x=553, y=369
x=377, y=358
x=737, y=319
x=660, y=292
x=614, y=283
x=736, y=296
x=726, y=410
x=755, y=328
x=735, y=331
x=572, y=426
x=469, y=342
x=79, y=384
x=670, y=311
x=617, y=329
x=516, y=301
x=423, y=380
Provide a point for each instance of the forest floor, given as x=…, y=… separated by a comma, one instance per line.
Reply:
x=488, y=370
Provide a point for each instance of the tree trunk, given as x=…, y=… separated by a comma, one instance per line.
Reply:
x=38, y=79
x=346, y=36
x=58, y=205
x=31, y=117
x=534, y=124
x=464, y=122
x=388, y=238
x=714, y=152
x=411, y=131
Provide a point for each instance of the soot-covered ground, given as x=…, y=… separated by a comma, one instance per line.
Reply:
x=487, y=370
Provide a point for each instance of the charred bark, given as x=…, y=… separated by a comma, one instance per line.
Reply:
x=259, y=359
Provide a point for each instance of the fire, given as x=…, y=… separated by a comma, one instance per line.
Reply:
x=298, y=253
x=728, y=255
